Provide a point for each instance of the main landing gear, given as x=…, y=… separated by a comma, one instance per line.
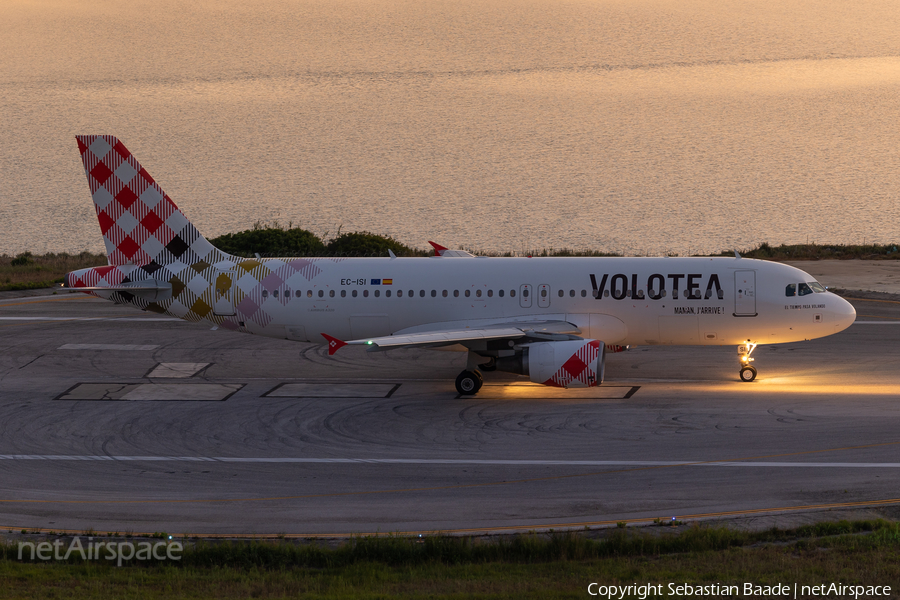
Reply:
x=470, y=381
x=748, y=371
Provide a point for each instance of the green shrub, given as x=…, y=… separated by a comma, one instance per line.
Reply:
x=364, y=243
x=26, y=258
x=270, y=240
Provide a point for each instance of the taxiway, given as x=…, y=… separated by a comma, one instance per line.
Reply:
x=123, y=421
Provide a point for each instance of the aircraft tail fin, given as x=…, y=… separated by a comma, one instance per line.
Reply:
x=140, y=223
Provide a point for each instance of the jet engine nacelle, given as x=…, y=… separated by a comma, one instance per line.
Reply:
x=572, y=363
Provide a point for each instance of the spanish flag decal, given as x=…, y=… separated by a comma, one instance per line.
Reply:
x=387, y=281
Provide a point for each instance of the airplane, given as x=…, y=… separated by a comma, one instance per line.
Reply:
x=550, y=319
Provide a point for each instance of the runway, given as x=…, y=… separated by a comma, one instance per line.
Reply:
x=115, y=420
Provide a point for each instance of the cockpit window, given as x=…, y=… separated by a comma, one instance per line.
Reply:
x=791, y=289
x=817, y=287
x=805, y=290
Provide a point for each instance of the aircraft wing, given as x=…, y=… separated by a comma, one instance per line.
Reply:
x=447, y=337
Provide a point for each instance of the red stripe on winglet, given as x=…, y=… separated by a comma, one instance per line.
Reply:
x=438, y=249
x=334, y=344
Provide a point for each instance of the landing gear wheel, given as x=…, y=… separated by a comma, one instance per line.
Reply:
x=469, y=382
x=748, y=373
x=490, y=365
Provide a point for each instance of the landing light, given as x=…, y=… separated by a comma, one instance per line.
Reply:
x=369, y=342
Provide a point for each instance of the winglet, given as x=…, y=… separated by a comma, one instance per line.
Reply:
x=438, y=249
x=334, y=344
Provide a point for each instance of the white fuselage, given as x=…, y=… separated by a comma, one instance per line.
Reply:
x=626, y=301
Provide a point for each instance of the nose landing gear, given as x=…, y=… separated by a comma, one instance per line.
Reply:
x=748, y=371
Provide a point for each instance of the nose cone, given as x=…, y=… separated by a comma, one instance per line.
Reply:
x=842, y=313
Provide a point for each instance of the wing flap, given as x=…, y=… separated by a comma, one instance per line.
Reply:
x=446, y=337
x=439, y=338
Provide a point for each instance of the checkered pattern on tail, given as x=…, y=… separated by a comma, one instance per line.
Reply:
x=140, y=223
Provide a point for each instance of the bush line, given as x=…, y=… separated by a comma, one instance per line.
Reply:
x=520, y=549
x=29, y=271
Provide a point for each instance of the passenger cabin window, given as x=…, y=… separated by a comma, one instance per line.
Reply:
x=343, y=293
x=377, y=293
x=353, y=293
x=321, y=293
x=456, y=293
x=468, y=293
x=500, y=293
x=331, y=293
x=297, y=293
x=791, y=289
x=804, y=289
x=365, y=293
x=478, y=293
x=490, y=293
x=265, y=293
x=309, y=293
x=275, y=293
x=512, y=293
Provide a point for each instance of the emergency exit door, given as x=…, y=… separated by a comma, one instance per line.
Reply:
x=224, y=294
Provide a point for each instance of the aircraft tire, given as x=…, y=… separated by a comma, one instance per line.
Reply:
x=748, y=373
x=469, y=382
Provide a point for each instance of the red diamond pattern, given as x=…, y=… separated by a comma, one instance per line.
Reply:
x=101, y=173
x=151, y=235
x=126, y=197
x=578, y=369
x=105, y=222
x=151, y=222
x=129, y=247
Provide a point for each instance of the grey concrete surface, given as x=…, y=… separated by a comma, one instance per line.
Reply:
x=362, y=443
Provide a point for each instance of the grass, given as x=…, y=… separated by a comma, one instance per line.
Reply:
x=555, y=566
x=821, y=251
x=27, y=271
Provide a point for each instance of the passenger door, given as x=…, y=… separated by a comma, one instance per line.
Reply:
x=745, y=293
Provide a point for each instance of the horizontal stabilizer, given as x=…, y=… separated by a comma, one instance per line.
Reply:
x=442, y=251
x=334, y=344
x=151, y=290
